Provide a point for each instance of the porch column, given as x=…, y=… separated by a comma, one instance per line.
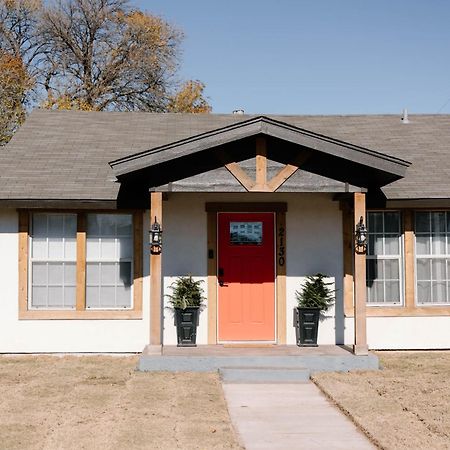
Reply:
x=155, y=274
x=360, y=346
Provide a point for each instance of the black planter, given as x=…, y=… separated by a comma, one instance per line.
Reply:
x=186, y=321
x=306, y=323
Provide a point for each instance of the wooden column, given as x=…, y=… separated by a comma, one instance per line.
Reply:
x=261, y=164
x=360, y=346
x=155, y=275
x=23, y=261
x=347, y=234
x=410, y=282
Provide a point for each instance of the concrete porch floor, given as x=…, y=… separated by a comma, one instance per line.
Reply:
x=205, y=358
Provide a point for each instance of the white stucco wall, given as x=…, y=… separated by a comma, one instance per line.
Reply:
x=313, y=244
x=25, y=336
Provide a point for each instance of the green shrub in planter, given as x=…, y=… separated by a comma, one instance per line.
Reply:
x=186, y=300
x=314, y=297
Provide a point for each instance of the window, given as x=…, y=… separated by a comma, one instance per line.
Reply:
x=109, y=261
x=249, y=233
x=53, y=261
x=80, y=265
x=432, y=230
x=384, y=258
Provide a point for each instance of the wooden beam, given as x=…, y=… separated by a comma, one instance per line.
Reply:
x=241, y=176
x=155, y=275
x=287, y=171
x=261, y=163
x=23, y=261
x=212, y=277
x=347, y=241
x=360, y=345
x=245, y=207
x=137, y=261
x=81, y=263
x=281, y=277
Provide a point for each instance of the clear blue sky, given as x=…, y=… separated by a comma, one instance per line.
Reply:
x=315, y=56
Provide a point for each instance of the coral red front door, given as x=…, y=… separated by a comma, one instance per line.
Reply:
x=246, y=274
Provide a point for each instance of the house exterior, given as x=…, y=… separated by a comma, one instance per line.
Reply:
x=251, y=205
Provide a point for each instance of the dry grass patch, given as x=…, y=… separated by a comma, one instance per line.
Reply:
x=102, y=402
x=404, y=406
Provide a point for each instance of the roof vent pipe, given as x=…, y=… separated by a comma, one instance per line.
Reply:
x=405, y=116
x=238, y=111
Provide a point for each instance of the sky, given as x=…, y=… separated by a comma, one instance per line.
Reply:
x=315, y=56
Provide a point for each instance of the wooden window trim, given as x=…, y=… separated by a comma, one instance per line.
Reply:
x=409, y=307
x=80, y=312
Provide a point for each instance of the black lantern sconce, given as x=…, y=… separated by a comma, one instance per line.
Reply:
x=155, y=238
x=361, y=237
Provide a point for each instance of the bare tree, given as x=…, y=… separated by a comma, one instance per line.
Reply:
x=103, y=55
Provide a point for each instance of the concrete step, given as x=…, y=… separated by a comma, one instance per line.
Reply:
x=264, y=375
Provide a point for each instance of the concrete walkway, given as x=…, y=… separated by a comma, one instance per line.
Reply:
x=290, y=416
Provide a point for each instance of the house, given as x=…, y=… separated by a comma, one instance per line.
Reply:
x=249, y=204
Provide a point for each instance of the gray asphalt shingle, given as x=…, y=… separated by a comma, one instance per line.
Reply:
x=65, y=154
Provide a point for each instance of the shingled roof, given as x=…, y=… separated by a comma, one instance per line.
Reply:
x=64, y=155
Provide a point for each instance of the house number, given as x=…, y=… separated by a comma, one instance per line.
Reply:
x=281, y=249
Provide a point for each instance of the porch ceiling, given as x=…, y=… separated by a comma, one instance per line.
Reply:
x=327, y=157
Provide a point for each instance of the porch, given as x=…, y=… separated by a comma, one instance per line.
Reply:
x=265, y=363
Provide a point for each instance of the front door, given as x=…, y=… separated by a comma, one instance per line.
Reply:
x=246, y=275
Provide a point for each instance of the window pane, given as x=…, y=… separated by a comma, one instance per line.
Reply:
x=107, y=297
x=124, y=225
x=439, y=293
x=438, y=224
x=378, y=244
x=70, y=248
x=125, y=250
x=39, y=248
x=108, y=274
x=375, y=222
x=378, y=290
x=438, y=269
x=39, y=274
x=392, y=291
x=56, y=226
x=391, y=271
x=55, y=274
x=108, y=248
x=438, y=244
x=108, y=224
x=70, y=296
x=423, y=246
x=424, y=291
x=93, y=224
x=55, y=296
x=70, y=274
x=93, y=274
x=123, y=297
x=39, y=296
x=392, y=222
x=92, y=248
x=423, y=222
x=391, y=245
x=39, y=225
x=424, y=269
x=92, y=297
x=55, y=248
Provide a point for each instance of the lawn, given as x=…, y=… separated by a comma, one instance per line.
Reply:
x=49, y=402
x=404, y=406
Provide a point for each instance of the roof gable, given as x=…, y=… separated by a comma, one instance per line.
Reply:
x=330, y=154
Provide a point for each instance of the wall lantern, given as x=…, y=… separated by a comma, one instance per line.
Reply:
x=155, y=237
x=361, y=236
